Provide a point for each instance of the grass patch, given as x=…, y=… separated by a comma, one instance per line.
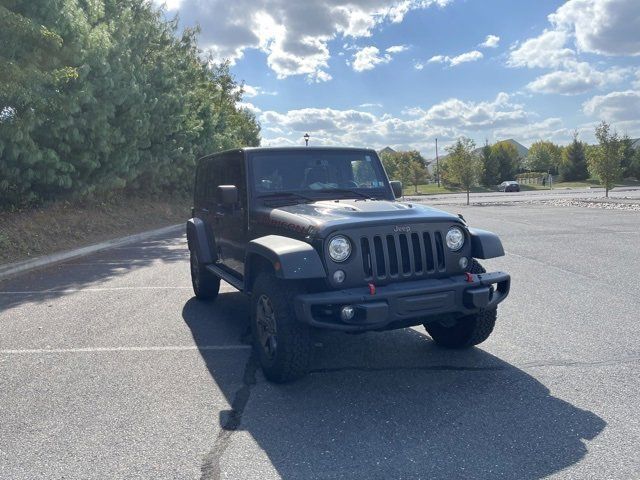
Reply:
x=63, y=225
x=433, y=189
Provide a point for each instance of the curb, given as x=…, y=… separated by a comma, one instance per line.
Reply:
x=48, y=260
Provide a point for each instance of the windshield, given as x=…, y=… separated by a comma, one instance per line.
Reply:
x=315, y=173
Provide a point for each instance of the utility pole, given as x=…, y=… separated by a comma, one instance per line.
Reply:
x=437, y=164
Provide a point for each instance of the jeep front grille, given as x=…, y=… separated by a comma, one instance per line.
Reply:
x=402, y=255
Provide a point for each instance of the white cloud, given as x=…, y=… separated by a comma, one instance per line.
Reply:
x=397, y=49
x=250, y=91
x=249, y=106
x=545, y=51
x=548, y=129
x=472, y=56
x=370, y=105
x=294, y=35
x=368, y=57
x=605, y=27
x=416, y=128
x=614, y=106
x=418, y=65
x=170, y=5
x=578, y=78
x=492, y=41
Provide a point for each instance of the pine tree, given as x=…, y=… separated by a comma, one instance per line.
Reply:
x=105, y=97
x=573, y=166
x=490, y=167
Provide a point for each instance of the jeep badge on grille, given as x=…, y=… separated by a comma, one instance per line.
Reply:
x=402, y=228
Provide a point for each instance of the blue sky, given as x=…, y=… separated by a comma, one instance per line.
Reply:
x=403, y=72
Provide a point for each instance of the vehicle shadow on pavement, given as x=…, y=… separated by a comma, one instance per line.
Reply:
x=92, y=271
x=387, y=405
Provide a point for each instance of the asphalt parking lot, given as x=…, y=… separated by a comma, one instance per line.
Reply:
x=109, y=368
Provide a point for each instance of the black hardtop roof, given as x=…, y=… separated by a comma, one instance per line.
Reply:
x=289, y=149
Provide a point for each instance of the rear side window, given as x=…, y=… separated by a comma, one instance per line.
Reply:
x=227, y=169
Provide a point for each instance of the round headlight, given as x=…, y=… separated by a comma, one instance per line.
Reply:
x=455, y=239
x=339, y=248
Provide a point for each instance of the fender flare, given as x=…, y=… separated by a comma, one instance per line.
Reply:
x=485, y=244
x=291, y=259
x=197, y=240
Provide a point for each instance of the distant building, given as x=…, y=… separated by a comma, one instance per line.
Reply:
x=386, y=150
x=521, y=149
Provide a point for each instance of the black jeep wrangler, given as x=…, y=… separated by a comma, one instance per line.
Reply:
x=316, y=238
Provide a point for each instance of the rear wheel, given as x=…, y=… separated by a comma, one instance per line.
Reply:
x=282, y=344
x=205, y=284
x=467, y=331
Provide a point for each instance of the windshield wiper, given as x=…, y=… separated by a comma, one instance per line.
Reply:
x=345, y=191
x=285, y=195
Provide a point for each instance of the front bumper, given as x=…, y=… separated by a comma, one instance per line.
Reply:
x=399, y=303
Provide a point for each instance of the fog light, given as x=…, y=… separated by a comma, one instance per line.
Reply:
x=463, y=262
x=347, y=312
x=338, y=276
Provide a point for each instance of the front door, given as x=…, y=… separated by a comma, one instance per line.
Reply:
x=230, y=221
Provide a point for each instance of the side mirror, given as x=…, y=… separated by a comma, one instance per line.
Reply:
x=396, y=186
x=227, y=194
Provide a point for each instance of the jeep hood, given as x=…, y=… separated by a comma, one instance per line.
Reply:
x=327, y=216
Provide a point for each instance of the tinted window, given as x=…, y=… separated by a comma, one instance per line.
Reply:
x=315, y=170
x=227, y=169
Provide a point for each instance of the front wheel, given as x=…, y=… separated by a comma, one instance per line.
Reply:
x=282, y=344
x=205, y=284
x=467, y=331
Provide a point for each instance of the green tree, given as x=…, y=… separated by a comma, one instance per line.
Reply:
x=605, y=158
x=418, y=169
x=573, y=166
x=634, y=167
x=407, y=166
x=627, y=160
x=388, y=160
x=543, y=157
x=463, y=166
x=105, y=97
x=507, y=158
x=490, y=167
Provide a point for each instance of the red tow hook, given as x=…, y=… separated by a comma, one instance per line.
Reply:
x=372, y=289
x=469, y=277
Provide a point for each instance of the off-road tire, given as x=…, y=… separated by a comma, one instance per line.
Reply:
x=205, y=284
x=293, y=339
x=468, y=331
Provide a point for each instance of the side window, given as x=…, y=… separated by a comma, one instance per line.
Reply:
x=225, y=169
x=235, y=174
x=215, y=177
x=200, y=191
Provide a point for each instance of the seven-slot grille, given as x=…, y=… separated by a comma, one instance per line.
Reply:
x=402, y=255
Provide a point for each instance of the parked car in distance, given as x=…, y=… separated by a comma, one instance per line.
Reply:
x=510, y=186
x=317, y=239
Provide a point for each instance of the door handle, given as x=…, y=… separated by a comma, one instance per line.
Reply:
x=204, y=210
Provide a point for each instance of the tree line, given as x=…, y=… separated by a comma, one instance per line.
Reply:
x=107, y=97
x=409, y=167
x=465, y=166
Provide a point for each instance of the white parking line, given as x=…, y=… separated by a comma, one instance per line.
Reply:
x=172, y=348
x=101, y=289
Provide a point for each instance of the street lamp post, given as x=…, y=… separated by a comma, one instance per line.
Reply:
x=306, y=139
x=437, y=165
